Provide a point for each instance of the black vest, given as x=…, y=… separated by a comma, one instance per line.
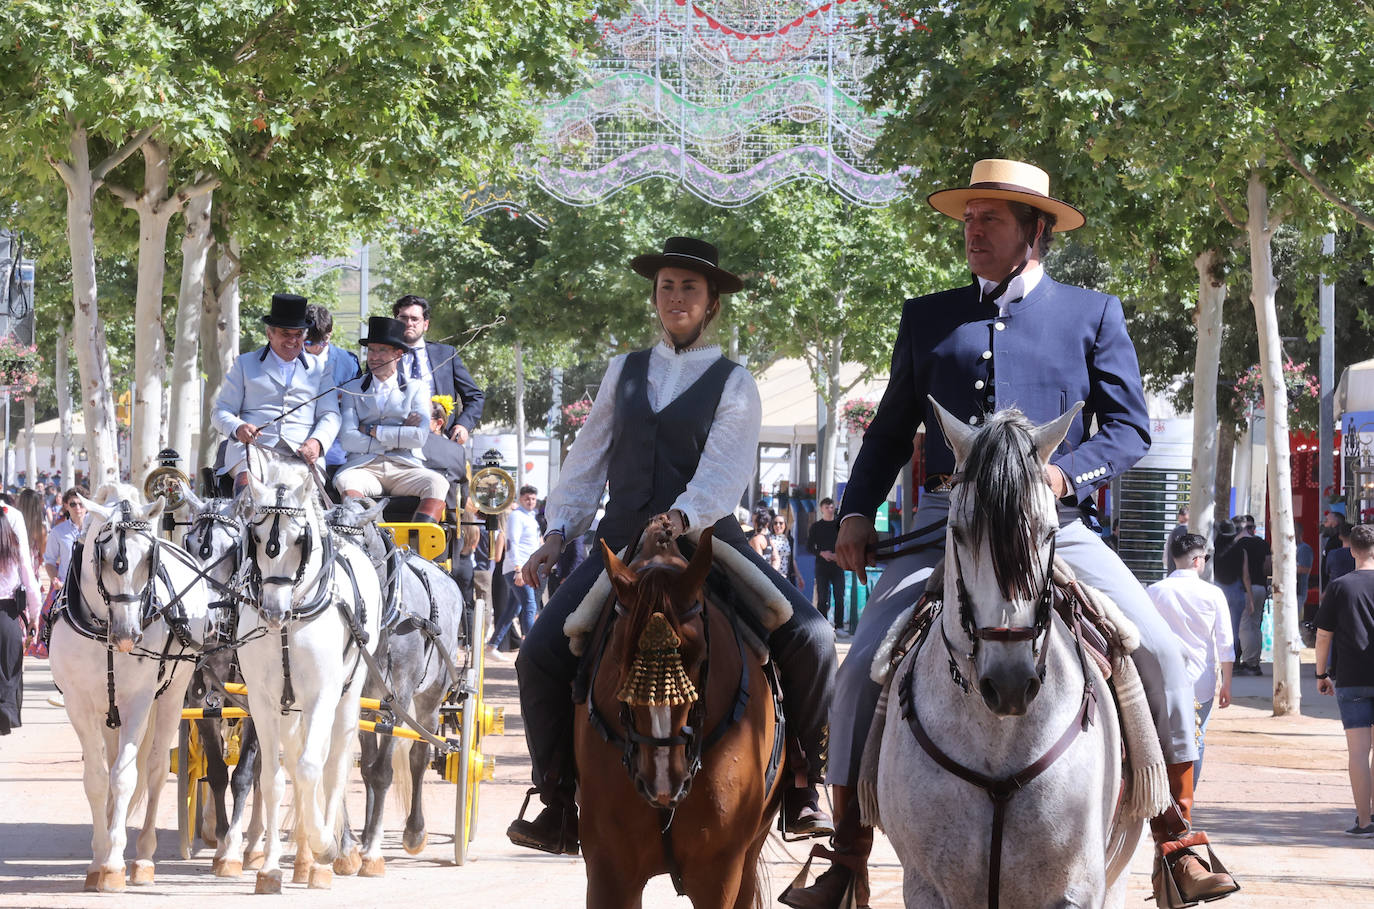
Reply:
x=654, y=455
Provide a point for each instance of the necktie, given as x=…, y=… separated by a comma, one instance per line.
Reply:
x=415, y=364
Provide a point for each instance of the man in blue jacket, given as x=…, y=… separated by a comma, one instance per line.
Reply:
x=1011, y=337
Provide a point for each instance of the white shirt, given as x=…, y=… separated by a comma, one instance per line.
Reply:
x=1197, y=612
x=1019, y=288
x=522, y=533
x=727, y=461
x=419, y=357
x=284, y=367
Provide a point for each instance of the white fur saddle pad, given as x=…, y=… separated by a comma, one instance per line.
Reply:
x=753, y=587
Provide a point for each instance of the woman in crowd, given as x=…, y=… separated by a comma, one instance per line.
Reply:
x=18, y=613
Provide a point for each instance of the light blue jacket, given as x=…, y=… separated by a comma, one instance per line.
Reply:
x=365, y=402
x=254, y=392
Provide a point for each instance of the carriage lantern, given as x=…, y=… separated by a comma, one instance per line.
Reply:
x=493, y=487
x=168, y=481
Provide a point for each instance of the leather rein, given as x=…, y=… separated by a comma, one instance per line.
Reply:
x=999, y=790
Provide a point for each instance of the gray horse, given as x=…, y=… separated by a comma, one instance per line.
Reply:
x=422, y=629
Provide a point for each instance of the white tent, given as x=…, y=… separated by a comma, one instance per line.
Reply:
x=1355, y=391
x=789, y=400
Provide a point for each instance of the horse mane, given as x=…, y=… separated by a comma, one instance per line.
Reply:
x=655, y=583
x=1005, y=474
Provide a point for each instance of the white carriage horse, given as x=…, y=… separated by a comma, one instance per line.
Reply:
x=135, y=609
x=1024, y=781
x=300, y=655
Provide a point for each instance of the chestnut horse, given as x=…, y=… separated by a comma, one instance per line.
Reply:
x=681, y=703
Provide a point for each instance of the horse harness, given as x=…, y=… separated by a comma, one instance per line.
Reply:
x=1000, y=791
x=73, y=609
x=689, y=735
x=321, y=599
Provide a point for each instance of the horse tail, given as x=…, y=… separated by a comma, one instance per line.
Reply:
x=401, y=781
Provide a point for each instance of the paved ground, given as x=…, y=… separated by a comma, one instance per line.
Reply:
x=1275, y=799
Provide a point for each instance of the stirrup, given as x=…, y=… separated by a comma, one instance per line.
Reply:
x=838, y=860
x=1166, y=891
x=516, y=832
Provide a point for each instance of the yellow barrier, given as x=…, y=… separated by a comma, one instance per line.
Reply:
x=430, y=540
x=399, y=732
x=213, y=713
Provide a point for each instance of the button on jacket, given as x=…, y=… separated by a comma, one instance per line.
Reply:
x=1059, y=345
x=365, y=400
x=255, y=391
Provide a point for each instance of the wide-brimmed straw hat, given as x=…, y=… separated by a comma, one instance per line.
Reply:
x=691, y=254
x=1015, y=181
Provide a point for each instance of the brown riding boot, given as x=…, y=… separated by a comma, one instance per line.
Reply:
x=429, y=511
x=1181, y=877
x=845, y=882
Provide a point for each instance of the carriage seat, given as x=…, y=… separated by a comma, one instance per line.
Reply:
x=400, y=509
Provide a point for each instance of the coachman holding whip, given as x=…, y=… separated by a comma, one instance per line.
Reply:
x=1011, y=337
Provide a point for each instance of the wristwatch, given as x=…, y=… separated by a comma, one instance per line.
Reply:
x=1322, y=676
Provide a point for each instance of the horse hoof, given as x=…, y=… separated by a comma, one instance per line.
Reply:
x=418, y=846
x=268, y=882
x=143, y=873
x=110, y=881
x=348, y=864
x=373, y=867
x=92, y=879
x=321, y=877
x=228, y=868
x=254, y=860
x=300, y=871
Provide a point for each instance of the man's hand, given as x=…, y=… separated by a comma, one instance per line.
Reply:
x=310, y=451
x=519, y=578
x=414, y=419
x=1326, y=686
x=246, y=433
x=852, y=546
x=537, y=567
x=459, y=433
x=672, y=521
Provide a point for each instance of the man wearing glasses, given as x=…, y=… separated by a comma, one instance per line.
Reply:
x=342, y=365
x=440, y=366
x=1198, y=614
x=276, y=394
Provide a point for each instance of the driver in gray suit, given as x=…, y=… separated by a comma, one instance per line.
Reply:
x=275, y=394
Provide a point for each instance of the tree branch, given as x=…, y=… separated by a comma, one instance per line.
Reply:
x=188, y=191
x=1226, y=209
x=123, y=194
x=121, y=154
x=1362, y=217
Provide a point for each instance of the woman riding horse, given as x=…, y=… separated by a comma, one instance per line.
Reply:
x=674, y=431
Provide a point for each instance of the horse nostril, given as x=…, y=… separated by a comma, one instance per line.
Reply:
x=989, y=693
x=1032, y=689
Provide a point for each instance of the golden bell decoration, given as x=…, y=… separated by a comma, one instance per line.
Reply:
x=657, y=678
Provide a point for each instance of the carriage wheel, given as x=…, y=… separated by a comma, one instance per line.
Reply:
x=189, y=761
x=469, y=769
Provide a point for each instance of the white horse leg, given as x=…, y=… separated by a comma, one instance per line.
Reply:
x=95, y=778
x=315, y=727
x=270, y=784
x=123, y=783
x=163, y=726
x=338, y=760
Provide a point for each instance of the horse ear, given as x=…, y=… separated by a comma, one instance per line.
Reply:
x=375, y=509
x=93, y=507
x=258, y=491
x=189, y=496
x=622, y=578
x=1048, y=437
x=957, y=433
x=154, y=508
x=694, y=576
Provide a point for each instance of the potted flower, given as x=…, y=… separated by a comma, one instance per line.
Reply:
x=574, y=417
x=20, y=366
x=1304, y=392
x=857, y=413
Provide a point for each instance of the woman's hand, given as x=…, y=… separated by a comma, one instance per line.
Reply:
x=537, y=567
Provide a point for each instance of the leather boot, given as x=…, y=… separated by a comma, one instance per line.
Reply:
x=847, y=875
x=429, y=511
x=1181, y=877
x=553, y=830
x=802, y=814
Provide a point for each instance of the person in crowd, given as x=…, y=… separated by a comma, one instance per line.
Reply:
x=1258, y=564
x=30, y=505
x=488, y=582
x=277, y=394
x=820, y=541
x=1330, y=530
x=1198, y=613
x=341, y=365
x=1234, y=574
x=439, y=366
x=465, y=565
x=57, y=556
x=19, y=605
x=1012, y=336
x=385, y=420
x=780, y=552
x=760, y=539
x=1306, y=557
x=522, y=532
x=673, y=433
x=1340, y=561
x=440, y=408
x=1180, y=528
x=1345, y=667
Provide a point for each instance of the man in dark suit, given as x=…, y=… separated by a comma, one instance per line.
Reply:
x=1013, y=337
x=440, y=365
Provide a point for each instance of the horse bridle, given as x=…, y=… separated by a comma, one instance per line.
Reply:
x=204, y=524
x=120, y=530
x=272, y=549
x=1002, y=633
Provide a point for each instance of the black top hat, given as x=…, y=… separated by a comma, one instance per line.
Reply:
x=691, y=254
x=385, y=330
x=288, y=311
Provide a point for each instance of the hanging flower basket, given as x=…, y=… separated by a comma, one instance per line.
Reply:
x=574, y=416
x=857, y=413
x=20, y=366
x=1304, y=392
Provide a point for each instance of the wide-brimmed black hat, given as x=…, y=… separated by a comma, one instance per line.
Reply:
x=691, y=254
x=288, y=311
x=385, y=330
